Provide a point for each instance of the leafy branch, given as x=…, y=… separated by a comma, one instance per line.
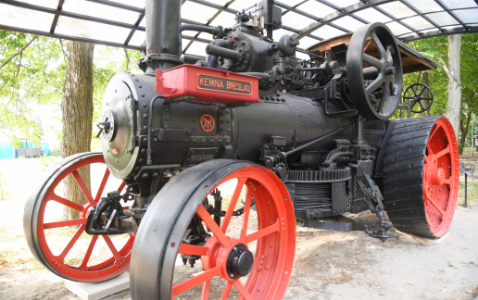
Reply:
x=19, y=52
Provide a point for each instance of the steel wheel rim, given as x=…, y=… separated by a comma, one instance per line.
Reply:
x=109, y=268
x=419, y=97
x=274, y=256
x=441, y=177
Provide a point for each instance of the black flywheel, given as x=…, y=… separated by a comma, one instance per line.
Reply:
x=376, y=88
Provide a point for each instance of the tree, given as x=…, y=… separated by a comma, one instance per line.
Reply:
x=454, y=81
x=77, y=116
x=31, y=71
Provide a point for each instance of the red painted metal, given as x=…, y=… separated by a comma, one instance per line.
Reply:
x=103, y=267
x=441, y=177
x=275, y=236
x=208, y=85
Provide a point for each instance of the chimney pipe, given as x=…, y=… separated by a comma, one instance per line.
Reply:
x=163, y=37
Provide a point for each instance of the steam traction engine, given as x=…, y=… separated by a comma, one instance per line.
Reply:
x=296, y=141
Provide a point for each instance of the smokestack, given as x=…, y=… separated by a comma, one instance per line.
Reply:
x=163, y=37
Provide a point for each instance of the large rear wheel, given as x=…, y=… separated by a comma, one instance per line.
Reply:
x=247, y=254
x=421, y=176
x=60, y=242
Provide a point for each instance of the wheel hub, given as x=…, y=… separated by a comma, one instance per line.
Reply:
x=239, y=262
x=437, y=175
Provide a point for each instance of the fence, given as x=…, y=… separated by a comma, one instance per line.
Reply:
x=25, y=150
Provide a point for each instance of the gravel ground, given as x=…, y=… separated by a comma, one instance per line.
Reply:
x=328, y=265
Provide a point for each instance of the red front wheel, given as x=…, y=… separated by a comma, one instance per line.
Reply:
x=60, y=242
x=184, y=251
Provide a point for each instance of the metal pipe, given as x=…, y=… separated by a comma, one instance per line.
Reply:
x=216, y=31
x=191, y=59
x=212, y=58
x=163, y=38
x=316, y=140
x=223, y=52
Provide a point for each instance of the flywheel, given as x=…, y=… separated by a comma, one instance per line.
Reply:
x=421, y=176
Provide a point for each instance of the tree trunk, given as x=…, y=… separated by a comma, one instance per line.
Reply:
x=464, y=125
x=77, y=116
x=454, y=85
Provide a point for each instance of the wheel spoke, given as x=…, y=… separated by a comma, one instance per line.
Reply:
x=112, y=247
x=193, y=250
x=428, y=98
x=441, y=153
x=375, y=84
x=247, y=209
x=196, y=280
x=447, y=181
x=83, y=187
x=232, y=203
x=226, y=291
x=414, y=92
x=262, y=233
x=66, y=202
x=436, y=206
x=71, y=243
x=242, y=290
x=379, y=45
x=59, y=224
x=372, y=61
x=204, y=215
x=102, y=185
x=421, y=105
x=205, y=290
x=421, y=93
x=86, y=259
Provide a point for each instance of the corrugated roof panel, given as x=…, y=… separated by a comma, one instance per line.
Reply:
x=316, y=8
x=426, y=6
x=93, y=30
x=468, y=15
x=397, y=9
x=418, y=22
x=25, y=18
x=454, y=4
x=349, y=23
x=100, y=11
x=327, y=32
x=442, y=18
x=197, y=12
x=295, y=20
x=372, y=15
x=397, y=28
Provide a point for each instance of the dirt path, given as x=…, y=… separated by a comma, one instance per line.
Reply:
x=330, y=265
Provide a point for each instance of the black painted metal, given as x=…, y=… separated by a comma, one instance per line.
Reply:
x=163, y=37
x=390, y=72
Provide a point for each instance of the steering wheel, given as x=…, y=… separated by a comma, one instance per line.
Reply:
x=376, y=89
x=415, y=99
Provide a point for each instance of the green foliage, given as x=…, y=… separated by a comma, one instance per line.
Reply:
x=31, y=71
x=45, y=162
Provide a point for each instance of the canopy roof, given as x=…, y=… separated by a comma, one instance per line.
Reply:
x=121, y=23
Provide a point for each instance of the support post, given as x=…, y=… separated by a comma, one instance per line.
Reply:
x=466, y=188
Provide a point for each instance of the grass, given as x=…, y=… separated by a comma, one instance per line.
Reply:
x=472, y=194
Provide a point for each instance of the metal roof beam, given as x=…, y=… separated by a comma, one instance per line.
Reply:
x=55, y=20
x=438, y=32
x=450, y=12
x=118, y=5
x=339, y=8
x=346, y=11
x=71, y=15
x=409, y=5
x=303, y=13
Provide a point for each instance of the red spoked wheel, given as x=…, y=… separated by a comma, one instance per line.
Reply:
x=249, y=256
x=441, y=177
x=61, y=243
x=421, y=176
